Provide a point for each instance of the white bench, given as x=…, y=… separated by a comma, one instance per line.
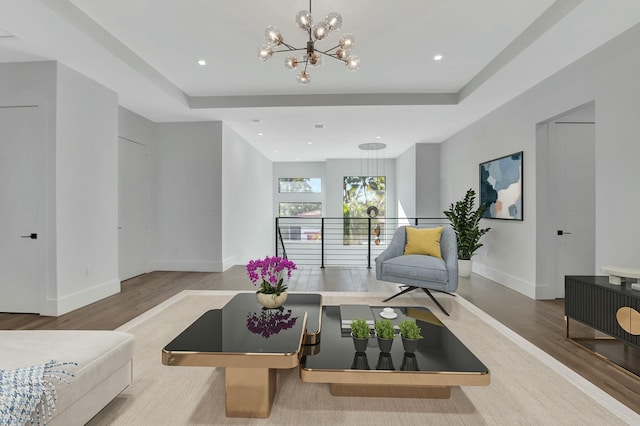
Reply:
x=104, y=358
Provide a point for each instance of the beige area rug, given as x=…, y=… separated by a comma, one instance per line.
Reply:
x=528, y=387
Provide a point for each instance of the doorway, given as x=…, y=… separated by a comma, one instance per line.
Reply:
x=566, y=211
x=22, y=198
x=134, y=209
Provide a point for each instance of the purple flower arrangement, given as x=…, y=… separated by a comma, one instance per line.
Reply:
x=269, y=322
x=269, y=273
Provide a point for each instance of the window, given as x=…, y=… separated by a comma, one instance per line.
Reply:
x=300, y=229
x=313, y=185
x=300, y=209
x=361, y=192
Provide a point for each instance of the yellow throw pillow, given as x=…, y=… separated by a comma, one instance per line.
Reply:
x=423, y=241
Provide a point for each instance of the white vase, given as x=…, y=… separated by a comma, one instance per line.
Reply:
x=272, y=301
x=464, y=268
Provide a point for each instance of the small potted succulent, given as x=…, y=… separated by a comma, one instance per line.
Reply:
x=410, y=333
x=360, y=333
x=385, y=334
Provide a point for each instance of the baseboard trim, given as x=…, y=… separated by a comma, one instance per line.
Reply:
x=507, y=280
x=79, y=299
x=228, y=263
x=186, y=266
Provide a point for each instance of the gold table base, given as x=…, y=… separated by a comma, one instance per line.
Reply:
x=249, y=391
x=349, y=389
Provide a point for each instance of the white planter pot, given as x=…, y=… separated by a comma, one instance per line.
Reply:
x=464, y=268
x=271, y=301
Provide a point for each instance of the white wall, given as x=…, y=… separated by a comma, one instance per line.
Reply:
x=607, y=76
x=86, y=191
x=247, y=226
x=428, y=180
x=188, y=197
x=406, y=185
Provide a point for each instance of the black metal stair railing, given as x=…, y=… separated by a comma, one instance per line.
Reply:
x=328, y=241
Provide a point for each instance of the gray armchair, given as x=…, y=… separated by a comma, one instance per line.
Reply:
x=420, y=271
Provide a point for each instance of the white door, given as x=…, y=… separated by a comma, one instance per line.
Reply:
x=19, y=200
x=572, y=154
x=133, y=209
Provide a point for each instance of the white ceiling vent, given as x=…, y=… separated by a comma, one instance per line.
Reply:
x=318, y=126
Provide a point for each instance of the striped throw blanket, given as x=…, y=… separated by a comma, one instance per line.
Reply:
x=28, y=395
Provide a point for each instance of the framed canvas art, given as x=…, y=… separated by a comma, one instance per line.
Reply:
x=501, y=187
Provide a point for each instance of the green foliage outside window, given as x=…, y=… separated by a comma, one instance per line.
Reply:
x=299, y=185
x=361, y=192
x=301, y=209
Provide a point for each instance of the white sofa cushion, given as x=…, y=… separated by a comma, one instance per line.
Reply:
x=99, y=354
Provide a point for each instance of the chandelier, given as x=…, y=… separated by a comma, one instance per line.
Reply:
x=312, y=55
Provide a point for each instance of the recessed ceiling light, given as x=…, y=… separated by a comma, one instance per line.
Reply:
x=437, y=57
x=275, y=150
x=202, y=62
x=378, y=137
x=260, y=134
x=309, y=143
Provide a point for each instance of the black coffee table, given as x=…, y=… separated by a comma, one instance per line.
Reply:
x=250, y=343
x=441, y=361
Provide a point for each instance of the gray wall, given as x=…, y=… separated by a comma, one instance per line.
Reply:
x=428, y=180
x=86, y=190
x=188, y=195
x=247, y=226
x=406, y=184
x=607, y=76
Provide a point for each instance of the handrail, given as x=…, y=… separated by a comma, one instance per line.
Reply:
x=279, y=238
x=340, y=241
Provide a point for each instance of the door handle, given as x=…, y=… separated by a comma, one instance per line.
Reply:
x=561, y=232
x=31, y=236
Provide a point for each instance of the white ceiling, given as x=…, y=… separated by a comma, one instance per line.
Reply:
x=146, y=51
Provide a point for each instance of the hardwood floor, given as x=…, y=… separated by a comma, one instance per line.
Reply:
x=540, y=322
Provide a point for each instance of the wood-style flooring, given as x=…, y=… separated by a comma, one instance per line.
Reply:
x=540, y=322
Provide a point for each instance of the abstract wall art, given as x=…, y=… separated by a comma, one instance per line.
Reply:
x=501, y=187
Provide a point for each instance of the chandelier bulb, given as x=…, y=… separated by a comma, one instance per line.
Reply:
x=353, y=62
x=341, y=53
x=347, y=41
x=265, y=53
x=291, y=62
x=333, y=21
x=273, y=35
x=314, y=59
x=304, y=77
x=304, y=20
x=320, y=31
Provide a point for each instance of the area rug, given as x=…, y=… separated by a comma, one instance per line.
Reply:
x=528, y=387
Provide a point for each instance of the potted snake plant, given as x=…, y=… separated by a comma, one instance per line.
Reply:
x=465, y=221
